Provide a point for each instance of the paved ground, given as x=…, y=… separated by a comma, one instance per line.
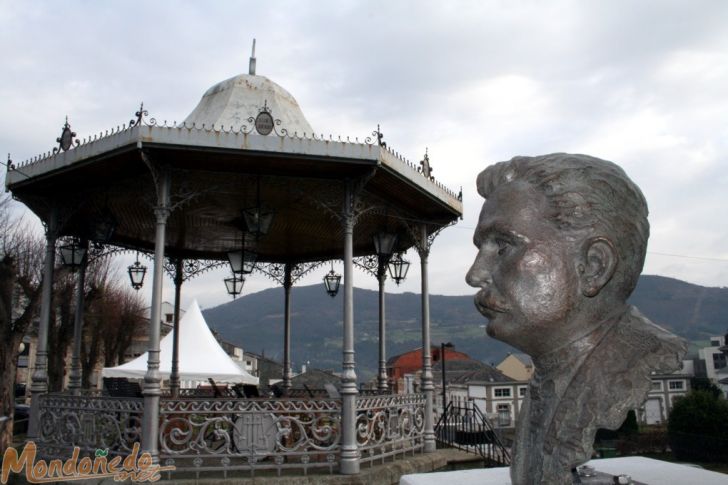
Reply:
x=386, y=474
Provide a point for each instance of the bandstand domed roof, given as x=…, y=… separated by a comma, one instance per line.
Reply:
x=237, y=101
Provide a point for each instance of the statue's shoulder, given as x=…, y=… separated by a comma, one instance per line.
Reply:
x=623, y=362
x=656, y=347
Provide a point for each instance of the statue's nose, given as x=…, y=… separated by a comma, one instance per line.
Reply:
x=479, y=274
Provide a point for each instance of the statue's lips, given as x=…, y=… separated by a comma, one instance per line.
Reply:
x=487, y=305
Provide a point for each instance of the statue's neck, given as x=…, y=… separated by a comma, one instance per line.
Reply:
x=575, y=350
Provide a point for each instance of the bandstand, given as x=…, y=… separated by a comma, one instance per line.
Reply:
x=242, y=181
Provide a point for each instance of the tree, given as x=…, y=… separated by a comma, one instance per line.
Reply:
x=21, y=260
x=129, y=319
x=698, y=427
x=705, y=384
x=60, y=330
x=114, y=314
x=628, y=430
x=111, y=311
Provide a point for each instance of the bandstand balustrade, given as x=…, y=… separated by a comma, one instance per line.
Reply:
x=90, y=421
x=227, y=434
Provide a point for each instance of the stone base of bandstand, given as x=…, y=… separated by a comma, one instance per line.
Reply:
x=388, y=473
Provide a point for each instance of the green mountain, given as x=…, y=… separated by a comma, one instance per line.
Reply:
x=255, y=321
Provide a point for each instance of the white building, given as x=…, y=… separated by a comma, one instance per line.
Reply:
x=713, y=362
x=665, y=389
x=501, y=399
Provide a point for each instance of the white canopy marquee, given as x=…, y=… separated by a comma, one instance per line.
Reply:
x=200, y=356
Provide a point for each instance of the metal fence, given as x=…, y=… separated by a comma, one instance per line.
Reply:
x=89, y=421
x=465, y=427
x=199, y=434
x=389, y=425
x=205, y=434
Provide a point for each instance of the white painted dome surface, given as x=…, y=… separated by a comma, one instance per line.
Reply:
x=232, y=102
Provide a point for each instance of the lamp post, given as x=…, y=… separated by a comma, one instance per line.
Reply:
x=74, y=256
x=384, y=243
x=444, y=346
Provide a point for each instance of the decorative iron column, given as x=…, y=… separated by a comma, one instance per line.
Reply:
x=382, y=385
x=74, y=381
x=174, y=374
x=427, y=386
x=39, y=384
x=152, y=390
x=349, y=449
x=287, y=284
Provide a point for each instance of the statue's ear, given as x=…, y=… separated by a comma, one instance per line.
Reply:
x=599, y=262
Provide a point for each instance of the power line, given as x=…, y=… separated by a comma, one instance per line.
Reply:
x=701, y=258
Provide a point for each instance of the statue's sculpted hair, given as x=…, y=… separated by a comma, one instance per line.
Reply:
x=588, y=197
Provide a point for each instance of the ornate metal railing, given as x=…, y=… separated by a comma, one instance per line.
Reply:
x=89, y=421
x=389, y=425
x=465, y=427
x=204, y=434
x=201, y=433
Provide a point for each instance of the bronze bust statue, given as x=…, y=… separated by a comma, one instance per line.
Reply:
x=561, y=242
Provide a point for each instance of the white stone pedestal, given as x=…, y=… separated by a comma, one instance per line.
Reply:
x=645, y=470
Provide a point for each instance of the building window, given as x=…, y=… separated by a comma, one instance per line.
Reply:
x=502, y=392
x=169, y=317
x=676, y=385
x=504, y=414
x=522, y=391
x=656, y=386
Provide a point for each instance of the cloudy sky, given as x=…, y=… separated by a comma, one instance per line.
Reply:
x=644, y=84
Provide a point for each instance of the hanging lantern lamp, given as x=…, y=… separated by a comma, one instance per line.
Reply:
x=73, y=254
x=257, y=220
x=384, y=243
x=137, y=271
x=104, y=227
x=398, y=268
x=332, y=280
x=242, y=261
x=234, y=285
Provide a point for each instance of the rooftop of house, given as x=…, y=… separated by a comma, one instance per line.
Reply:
x=524, y=358
x=314, y=379
x=433, y=349
x=465, y=371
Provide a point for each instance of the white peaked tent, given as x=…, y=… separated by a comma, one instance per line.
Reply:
x=200, y=355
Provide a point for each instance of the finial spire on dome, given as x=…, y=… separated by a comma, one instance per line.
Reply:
x=251, y=66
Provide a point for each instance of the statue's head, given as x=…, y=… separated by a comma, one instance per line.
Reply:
x=561, y=242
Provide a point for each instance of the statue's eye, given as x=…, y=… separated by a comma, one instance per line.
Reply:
x=503, y=246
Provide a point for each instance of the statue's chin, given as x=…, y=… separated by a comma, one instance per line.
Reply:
x=506, y=333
